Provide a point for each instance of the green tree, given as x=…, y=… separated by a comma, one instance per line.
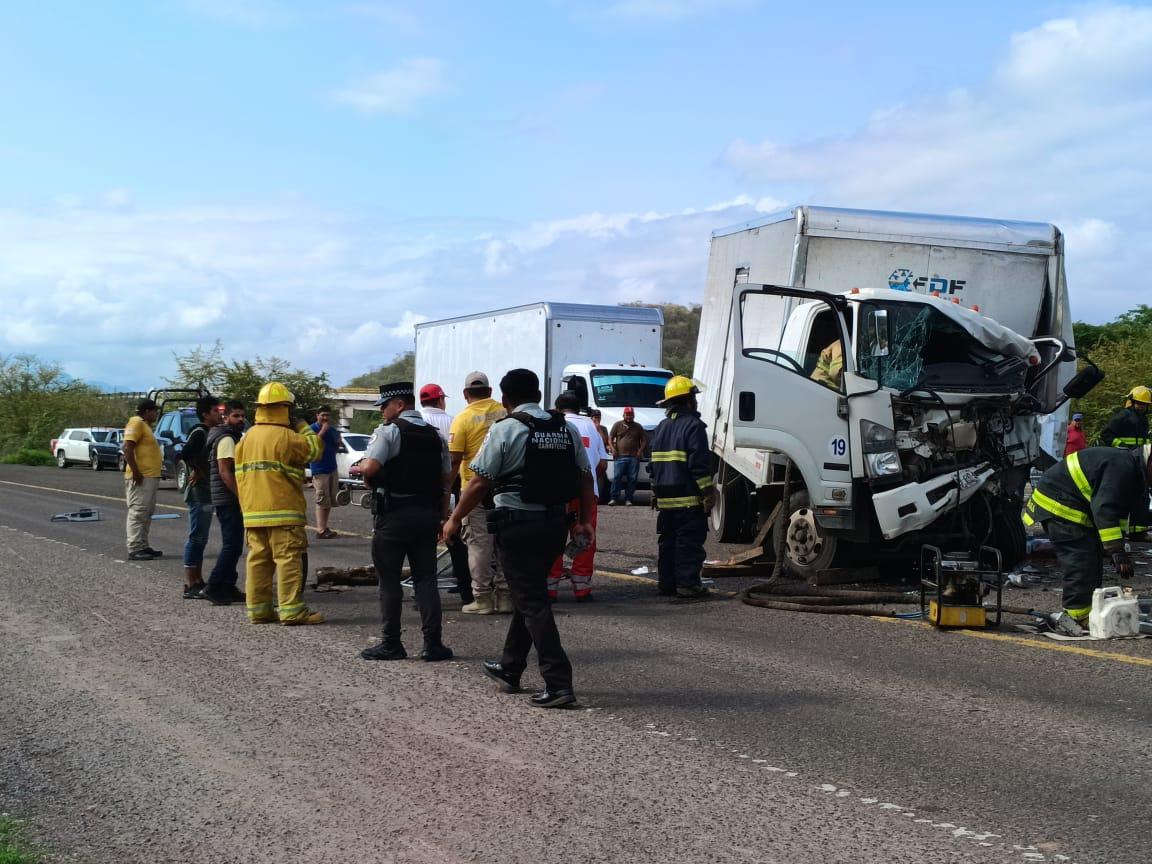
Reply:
x=38, y=401
x=1125, y=363
x=206, y=368
x=681, y=327
x=1133, y=324
x=402, y=368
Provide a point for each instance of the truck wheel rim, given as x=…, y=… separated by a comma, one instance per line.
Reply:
x=803, y=538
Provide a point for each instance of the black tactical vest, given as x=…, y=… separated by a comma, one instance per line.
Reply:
x=417, y=468
x=550, y=475
x=221, y=495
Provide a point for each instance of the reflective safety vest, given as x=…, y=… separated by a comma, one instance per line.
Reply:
x=681, y=461
x=1099, y=487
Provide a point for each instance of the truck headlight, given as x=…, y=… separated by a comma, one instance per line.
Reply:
x=881, y=458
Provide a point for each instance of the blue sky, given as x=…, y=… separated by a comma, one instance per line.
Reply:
x=307, y=179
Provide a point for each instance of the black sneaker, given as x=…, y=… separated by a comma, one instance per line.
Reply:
x=216, y=599
x=384, y=652
x=142, y=555
x=155, y=553
x=436, y=653
x=497, y=672
x=236, y=595
x=194, y=592
x=553, y=698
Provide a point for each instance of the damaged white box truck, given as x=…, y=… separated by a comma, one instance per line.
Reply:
x=901, y=363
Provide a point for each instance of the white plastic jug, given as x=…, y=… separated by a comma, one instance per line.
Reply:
x=1113, y=614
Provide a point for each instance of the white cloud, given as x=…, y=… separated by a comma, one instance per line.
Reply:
x=396, y=90
x=406, y=327
x=1058, y=132
x=112, y=294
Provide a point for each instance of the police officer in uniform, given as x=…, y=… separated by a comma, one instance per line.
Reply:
x=534, y=462
x=1087, y=502
x=682, y=485
x=408, y=467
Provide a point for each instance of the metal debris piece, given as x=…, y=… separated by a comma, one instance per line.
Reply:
x=346, y=576
x=87, y=514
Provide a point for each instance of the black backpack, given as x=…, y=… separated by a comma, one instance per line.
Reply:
x=550, y=475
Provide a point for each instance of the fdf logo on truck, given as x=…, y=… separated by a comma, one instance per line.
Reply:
x=904, y=279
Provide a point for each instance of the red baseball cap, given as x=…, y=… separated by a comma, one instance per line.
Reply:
x=431, y=392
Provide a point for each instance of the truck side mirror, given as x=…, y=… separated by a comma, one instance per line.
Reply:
x=880, y=332
x=1083, y=382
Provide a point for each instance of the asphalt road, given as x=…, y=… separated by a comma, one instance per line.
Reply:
x=140, y=727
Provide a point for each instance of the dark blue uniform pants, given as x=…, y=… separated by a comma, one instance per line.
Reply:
x=681, y=547
x=527, y=550
x=408, y=532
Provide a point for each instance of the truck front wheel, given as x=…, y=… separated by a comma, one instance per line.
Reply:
x=807, y=549
x=729, y=517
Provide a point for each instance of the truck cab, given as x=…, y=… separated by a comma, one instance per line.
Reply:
x=611, y=388
x=906, y=418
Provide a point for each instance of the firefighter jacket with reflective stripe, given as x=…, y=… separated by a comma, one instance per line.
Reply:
x=1128, y=428
x=270, y=461
x=681, y=461
x=1100, y=487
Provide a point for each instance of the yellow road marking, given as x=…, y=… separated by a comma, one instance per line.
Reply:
x=628, y=577
x=1039, y=642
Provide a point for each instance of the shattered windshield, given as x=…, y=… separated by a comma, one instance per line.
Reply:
x=927, y=348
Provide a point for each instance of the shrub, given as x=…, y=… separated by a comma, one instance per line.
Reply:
x=28, y=456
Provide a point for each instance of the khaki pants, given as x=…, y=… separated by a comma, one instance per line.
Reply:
x=276, y=551
x=484, y=565
x=141, y=499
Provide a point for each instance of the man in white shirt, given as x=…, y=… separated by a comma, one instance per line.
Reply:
x=432, y=398
x=584, y=563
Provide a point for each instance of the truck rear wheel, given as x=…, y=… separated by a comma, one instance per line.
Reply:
x=807, y=549
x=729, y=516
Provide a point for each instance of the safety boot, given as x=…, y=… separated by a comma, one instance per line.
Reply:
x=504, y=601
x=483, y=604
x=301, y=620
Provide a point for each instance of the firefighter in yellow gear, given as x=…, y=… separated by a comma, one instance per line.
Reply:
x=829, y=369
x=270, y=461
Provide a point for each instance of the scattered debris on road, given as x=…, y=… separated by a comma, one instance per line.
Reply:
x=85, y=515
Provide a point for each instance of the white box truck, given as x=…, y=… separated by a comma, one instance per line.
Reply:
x=901, y=363
x=609, y=355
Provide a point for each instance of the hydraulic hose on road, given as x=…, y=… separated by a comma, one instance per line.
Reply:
x=802, y=597
x=805, y=597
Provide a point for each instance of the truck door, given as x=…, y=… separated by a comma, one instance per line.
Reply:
x=789, y=358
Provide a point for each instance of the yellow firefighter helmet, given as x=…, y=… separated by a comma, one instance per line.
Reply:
x=1140, y=394
x=275, y=393
x=678, y=386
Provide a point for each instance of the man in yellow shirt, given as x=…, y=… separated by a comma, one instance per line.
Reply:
x=142, y=460
x=469, y=429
